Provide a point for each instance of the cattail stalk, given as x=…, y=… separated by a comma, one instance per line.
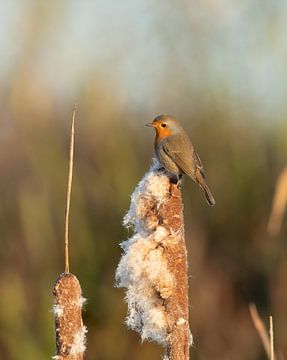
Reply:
x=68, y=303
x=69, y=190
x=153, y=267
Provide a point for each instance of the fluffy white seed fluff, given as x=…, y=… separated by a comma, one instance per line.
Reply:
x=79, y=344
x=190, y=339
x=80, y=302
x=57, y=310
x=143, y=269
x=180, y=321
x=152, y=189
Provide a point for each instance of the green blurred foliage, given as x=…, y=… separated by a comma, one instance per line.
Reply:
x=240, y=134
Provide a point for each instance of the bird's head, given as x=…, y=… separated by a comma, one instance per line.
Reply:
x=165, y=126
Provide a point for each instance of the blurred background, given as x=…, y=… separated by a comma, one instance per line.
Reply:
x=220, y=68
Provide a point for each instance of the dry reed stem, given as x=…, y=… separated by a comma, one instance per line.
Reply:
x=267, y=341
x=271, y=334
x=69, y=190
x=279, y=204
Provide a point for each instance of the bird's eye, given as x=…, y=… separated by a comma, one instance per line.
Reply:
x=163, y=125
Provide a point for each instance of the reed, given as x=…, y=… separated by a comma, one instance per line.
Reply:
x=68, y=300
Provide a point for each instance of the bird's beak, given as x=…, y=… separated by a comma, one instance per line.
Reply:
x=149, y=124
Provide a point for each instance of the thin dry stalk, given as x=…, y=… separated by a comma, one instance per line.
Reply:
x=153, y=267
x=271, y=338
x=259, y=326
x=267, y=341
x=69, y=190
x=279, y=205
x=70, y=331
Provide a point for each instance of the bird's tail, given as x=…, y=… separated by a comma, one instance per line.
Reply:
x=207, y=193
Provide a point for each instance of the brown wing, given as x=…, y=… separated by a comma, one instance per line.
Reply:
x=180, y=150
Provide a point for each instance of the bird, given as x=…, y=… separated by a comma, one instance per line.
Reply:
x=176, y=154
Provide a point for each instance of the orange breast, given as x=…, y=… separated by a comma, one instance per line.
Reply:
x=161, y=133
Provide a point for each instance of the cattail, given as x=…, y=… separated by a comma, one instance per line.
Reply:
x=153, y=267
x=68, y=303
x=70, y=331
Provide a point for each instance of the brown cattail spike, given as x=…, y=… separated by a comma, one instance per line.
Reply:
x=153, y=267
x=177, y=304
x=70, y=331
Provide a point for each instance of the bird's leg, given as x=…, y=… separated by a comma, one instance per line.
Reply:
x=176, y=179
x=179, y=178
x=161, y=170
x=175, y=182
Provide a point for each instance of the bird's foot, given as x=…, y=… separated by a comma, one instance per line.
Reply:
x=174, y=189
x=176, y=180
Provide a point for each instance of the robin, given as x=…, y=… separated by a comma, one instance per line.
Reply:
x=176, y=154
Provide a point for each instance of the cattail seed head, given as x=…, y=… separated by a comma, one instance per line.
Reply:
x=70, y=331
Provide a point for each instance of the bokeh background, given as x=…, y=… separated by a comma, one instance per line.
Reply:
x=219, y=67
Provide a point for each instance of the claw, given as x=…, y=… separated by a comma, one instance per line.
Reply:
x=171, y=191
